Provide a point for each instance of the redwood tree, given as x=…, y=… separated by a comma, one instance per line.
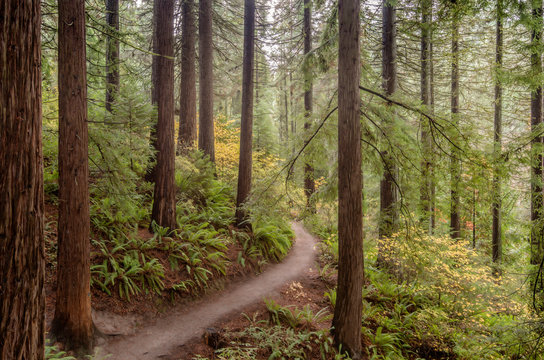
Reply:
x=22, y=262
x=455, y=165
x=496, y=205
x=205, y=45
x=388, y=184
x=537, y=205
x=187, y=102
x=348, y=309
x=72, y=322
x=426, y=184
x=246, y=133
x=164, y=200
x=112, y=52
x=309, y=182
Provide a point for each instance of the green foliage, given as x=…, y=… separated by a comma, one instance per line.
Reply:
x=52, y=353
x=294, y=317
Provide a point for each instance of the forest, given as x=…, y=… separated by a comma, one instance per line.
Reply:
x=282, y=179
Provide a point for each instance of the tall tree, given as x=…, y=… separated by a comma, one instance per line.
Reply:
x=164, y=200
x=112, y=52
x=309, y=183
x=72, y=322
x=348, y=309
x=537, y=210
x=151, y=169
x=22, y=263
x=497, y=141
x=206, y=141
x=426, y=207
x=246, y=133
x=187, y=103
x=389, y=211
x=455, y=165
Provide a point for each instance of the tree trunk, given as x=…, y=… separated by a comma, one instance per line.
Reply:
x=112, y=52
x=433, y=157
x=22, y=259
x=72, y=322
x=164, y=200
x=496, y=205
x=205, y=133
x=348, y=309
x=455, y=166
x=187, y=103
x=309, y=183
x=536, y=144
x=389, y=212
x=246, y=133
x=426, y=138
x=150, y=172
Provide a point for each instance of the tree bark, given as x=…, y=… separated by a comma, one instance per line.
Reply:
x=536, y=145
x=22, y=259
x=187, y=104
x=72, y=322
x=426, y=139
x=112, y=52
x=246, y=133
x=389, y=212
x=348, y=309
x=151, y=168
x=455, y=166
x=206, y=133
x=497, y=148
x=164, y=200
x=309, y=182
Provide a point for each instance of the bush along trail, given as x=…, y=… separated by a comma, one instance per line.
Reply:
x=158, y=340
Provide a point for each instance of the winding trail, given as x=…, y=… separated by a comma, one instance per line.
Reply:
x=158, y=340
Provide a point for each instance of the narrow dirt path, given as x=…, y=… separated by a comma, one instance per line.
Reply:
x=157, y=340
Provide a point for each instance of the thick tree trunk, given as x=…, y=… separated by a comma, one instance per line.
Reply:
x=455, y=166
x=389, y=211
x=246, y=133
x=187, y=105
x=309, y=183
x=72, y=322
x=22, y=259
x=205, y=132
x=426, y=138
x=497, y=148
x=348, y=309
x=112, y=52
x=164, y=200
x=537, y=210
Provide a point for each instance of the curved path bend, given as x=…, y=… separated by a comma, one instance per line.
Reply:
x=160, y=339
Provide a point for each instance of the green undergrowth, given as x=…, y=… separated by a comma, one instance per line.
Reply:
x=288, y=333
x=127, y=260
x=436, y=298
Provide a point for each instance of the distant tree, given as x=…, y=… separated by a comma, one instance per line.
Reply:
x=497, y=140
x=206, y=141
x=455, y=165
x=112, y=52
x=246, y=133
x=164, y=200
x=187, y=103
x=426, y=183
x=348, y=309
x=537, y=206
x=309, y=182
x=22, y=262
x=72, y=322
x=389, y=209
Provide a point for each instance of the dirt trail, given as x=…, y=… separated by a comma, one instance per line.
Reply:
x=158, y=340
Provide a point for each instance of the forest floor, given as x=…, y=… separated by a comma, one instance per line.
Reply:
x=177, y=333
